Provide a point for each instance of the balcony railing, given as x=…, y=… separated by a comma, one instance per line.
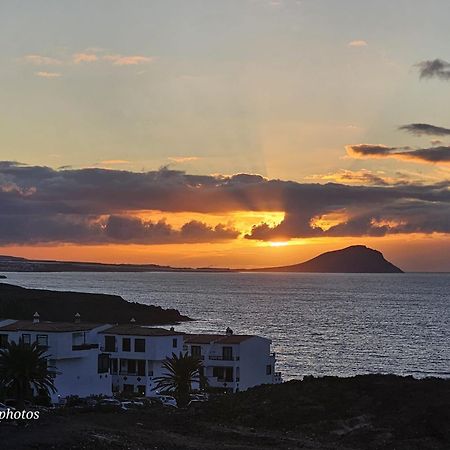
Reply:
x=108, y=349
x=223, y=358
x=84, y=347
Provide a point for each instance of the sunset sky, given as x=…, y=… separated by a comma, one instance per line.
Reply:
x=239, y=133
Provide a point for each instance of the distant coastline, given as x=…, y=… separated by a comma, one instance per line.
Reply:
x=353, y=259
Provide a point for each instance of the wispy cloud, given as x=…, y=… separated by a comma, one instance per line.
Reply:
x=78, y=58
x=436, y=68
x=39, y=60
x=44, y=74
x=434, y=155
x=115, y=161
x=130, y=60
x=420, y=129
x=358, y=43
x=182, y=159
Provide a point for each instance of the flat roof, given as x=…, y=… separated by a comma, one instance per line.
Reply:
x=139, y=330
x=216, y=338
x=51, y=327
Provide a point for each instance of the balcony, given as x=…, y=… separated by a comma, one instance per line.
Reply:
x=223, y=358
x=108, y=348
x=84, y=347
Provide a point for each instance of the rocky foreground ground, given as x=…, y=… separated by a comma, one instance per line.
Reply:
x=364, y=412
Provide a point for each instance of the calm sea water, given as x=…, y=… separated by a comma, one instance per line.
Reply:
x=320, y=324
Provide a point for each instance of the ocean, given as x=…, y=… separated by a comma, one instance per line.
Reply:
x=320, y=324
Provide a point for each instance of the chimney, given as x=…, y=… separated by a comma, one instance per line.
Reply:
x=172, y=329
x=77, y=318
x=228, y=331
x=36, y=317
x=133, y=320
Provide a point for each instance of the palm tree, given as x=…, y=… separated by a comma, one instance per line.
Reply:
x=182, y=371
x=23, y=367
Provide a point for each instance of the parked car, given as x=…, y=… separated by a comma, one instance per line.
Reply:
x=109, y=404
x=166, y=400
x=131, y=405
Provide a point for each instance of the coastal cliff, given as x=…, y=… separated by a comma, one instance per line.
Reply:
x=19, y=303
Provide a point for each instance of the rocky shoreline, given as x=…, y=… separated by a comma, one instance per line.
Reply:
x=20, y=303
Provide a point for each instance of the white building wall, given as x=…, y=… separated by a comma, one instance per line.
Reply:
x=254, y=358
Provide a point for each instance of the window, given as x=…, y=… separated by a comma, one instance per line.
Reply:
x=42, y=340
x=128, y=388
x=227, y=353
x=131, y=367
x=141, y=389
x=126, y=344
x=196, y=350
x=3, y=340
x=110, y=343
x=268, y=369
x=139, y=345
x=26, y=339
x=141, y=367
x=174, y=342
x=114, y=366
x=103, y=363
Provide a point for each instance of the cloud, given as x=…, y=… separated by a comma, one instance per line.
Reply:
x=78, y=58
x=358, y=43
x=363, y=176
x=44, y=74
x=434, y=155
x=115, y=161
x=39, y=60
x=420, y=129
x=131, y=60
x=182, y=159
x=40, y=204
x=436, y=68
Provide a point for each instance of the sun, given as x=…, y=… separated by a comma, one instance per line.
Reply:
x=278, y=244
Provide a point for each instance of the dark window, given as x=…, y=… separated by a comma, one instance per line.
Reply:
x=114, y=366
x=139, y=345
x=3, y=340
x=174, y=342
x=103, y=363
x=126, y=344
x=131, y=367
x=141, y=389
x=268, y=369
x=141, y=368
x=196, y=350
x=223, y=373
x=42, y=340
x=227, y=353
x=128, y=388
x=110, y=343
x=26, y=339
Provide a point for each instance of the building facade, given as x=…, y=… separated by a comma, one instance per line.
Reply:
x=101, y=359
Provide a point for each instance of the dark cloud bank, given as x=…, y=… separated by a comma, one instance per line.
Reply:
x=434, y=155
x=96, y=206
x=436, y=68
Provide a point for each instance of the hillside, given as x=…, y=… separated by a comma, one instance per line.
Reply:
x=20, y=303
x=14, y=264
x=354, y=259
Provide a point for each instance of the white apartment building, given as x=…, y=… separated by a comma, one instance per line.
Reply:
x=72, y=349
x=99, y=359
x=136, y=355
x=234, y=362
